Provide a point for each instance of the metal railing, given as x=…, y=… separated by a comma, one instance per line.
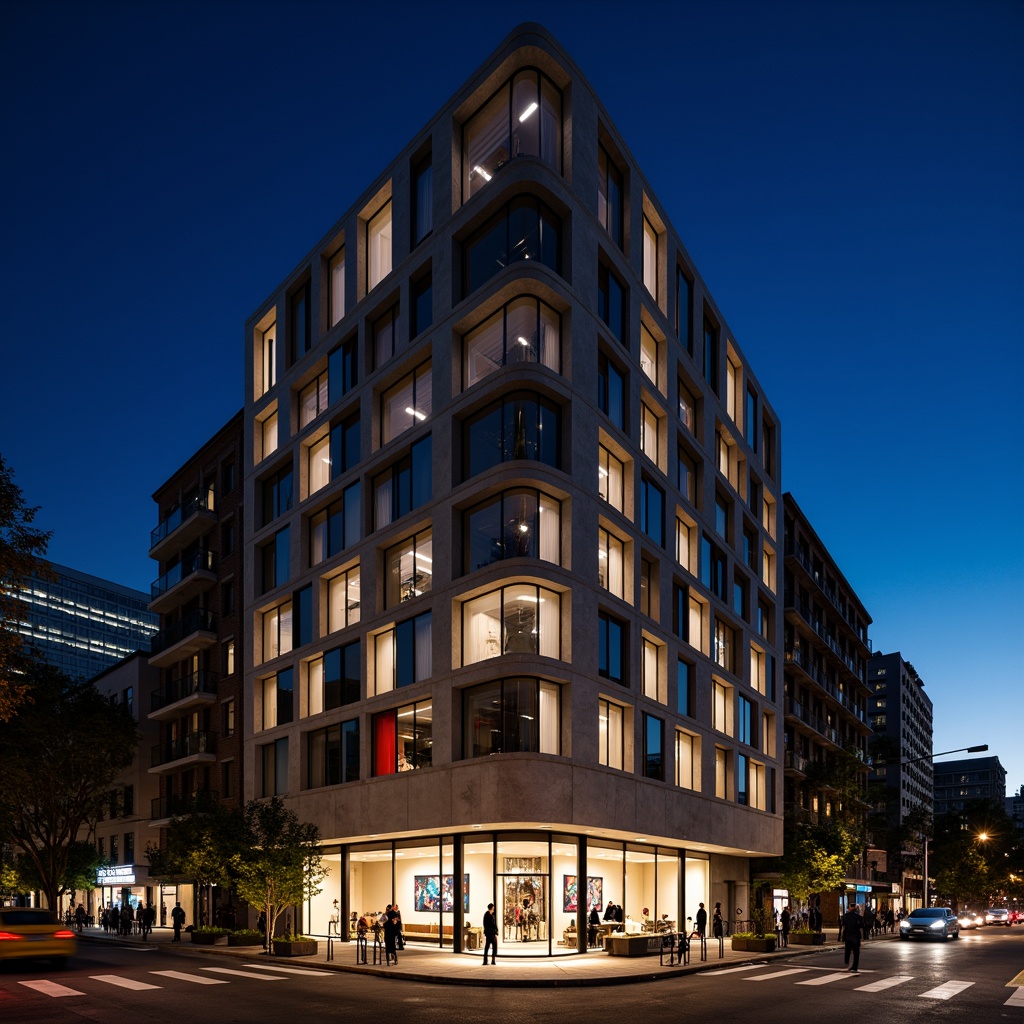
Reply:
x=201, y=561
x=202, y=681
x=200, y=742
x=174, y=806
x=201, y=620
x=201, y=503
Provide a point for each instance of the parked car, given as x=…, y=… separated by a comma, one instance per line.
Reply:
x=997, y=915
x=930, y=923
x=28, y=933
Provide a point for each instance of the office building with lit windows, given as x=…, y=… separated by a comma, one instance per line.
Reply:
x=512, y=532
x=82, y=624
x=966, y=780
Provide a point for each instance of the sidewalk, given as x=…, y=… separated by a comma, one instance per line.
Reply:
x=440, y=966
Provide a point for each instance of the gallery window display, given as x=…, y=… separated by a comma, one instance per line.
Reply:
x=518, y=619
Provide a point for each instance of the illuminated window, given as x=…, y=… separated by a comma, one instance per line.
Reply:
x=378, y=246
x=611, y=735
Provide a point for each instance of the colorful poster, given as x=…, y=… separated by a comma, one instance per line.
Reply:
x=432, y=893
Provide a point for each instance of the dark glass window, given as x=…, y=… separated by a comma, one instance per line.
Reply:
x=341, y=675
x=686, y=472
x=336, y=527
x=345, y=441
x=285, y=696
x=518, y=523
x=612, y=305
x=516, y=427
x=404, y=486
x=385, y=335
x=301, y=333
x=277, y=495
x=654, y=729
x=750, y=419
x=652, y=511
x=711, y=354
x=685, y=688
x=742, y=792
x=768, y=446
x=609, y=196
x=721, y=516
x=712, y=568
x=611, y=391
x=274, y=767
x=739, y=596
x=333, y=755
x=422, y=304
x=524, y=229
x=422, y=200
x=511, y=716
x=684, y=310
x=680, y=611
x=745, y=721
x=611, y=643
x=276, y=561
x=302, y=616
x=342, y=372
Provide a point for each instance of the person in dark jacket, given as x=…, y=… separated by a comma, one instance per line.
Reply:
x=784, y=920
x=716, y=922
x=701, y=922
x=390, y=936
x=593, y=926
x=490, y=933
x=853, y=932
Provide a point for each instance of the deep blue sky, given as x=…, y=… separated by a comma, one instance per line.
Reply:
x=848, y=177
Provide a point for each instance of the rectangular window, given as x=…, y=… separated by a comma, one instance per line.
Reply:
x=346, y=439
x=684, y=310
x=653, y=679
x=404, y=486
x=343, y=600
x=403, y=738
x=750, y=419
x=611, y=649
x=114, y=857
x=406, y=404
x=685, y=677
x=650, y=258
x=518, y=426
x=611, y=735
x=711, y=354
x=649, y=355
x=610, y=478
x=699, y=636
x=758, y=667
x=721, y=707
x=713, y=568
x=687, y=760
x=277, y=631
x=332, y=755
x=745, y=721
x=524, y=330
x=409, y=569
x=511, y=716
x=524, y=229
x=318, y=465
x=750, y=548
x=648, y=588
x=686, y=474
x=612, y=303
x=611, y=391
x=267, y=435
x=652, y=511
x=687, y=408
x=724, y=641
x=403, y=655
x=609, y=196
x=385, y=336
x=721, y=773
x=649, y=432
x=336, y=527
x=654, y=732
x=733, y=381
x=278, y=699
x=768, y=447
x=756, y=786
x=517, y=523
x=740, y=598
x=767, y=734
x=378, y=246
x=228, y=717
x=337, y=273
x=518, y=619
x=741, y=780
x=768, y=568
x=227, y=778
x=342, y=370
x=313, y=400
x=229, y=658
x=422, y=305
x=267, y=359
x=610, y=562
x=128, y=801
x=334, y=679
x=301, y=327
x=273, y=767
x=302, y=625
x=276, y=560
x=684, y=544
x=277, y=495
x=422, y=200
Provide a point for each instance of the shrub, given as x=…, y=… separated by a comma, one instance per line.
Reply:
x=248, y=933
x=209, y=929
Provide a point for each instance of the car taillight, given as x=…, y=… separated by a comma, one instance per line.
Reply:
x=64, y=934
x=9, y=935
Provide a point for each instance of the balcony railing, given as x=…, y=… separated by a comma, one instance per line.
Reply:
x=202, y=503
x=801, y=659
x=833, y=598
x=201, y=561
x=198, y=682
x=816, y=722
x=796, y=761
x=201, y=620
x=174, y=806
x=189, y=745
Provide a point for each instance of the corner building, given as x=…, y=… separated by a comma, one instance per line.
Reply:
x=511, y=543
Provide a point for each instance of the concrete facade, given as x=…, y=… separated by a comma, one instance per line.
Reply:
x=562, y=610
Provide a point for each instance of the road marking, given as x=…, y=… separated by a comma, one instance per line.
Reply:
x=196, y=979
x=243, y=974
x=731, y=970
x=51, y=988
x=947, y=991
x=826, y=979
x=1017, y=999
x=778, y=974
x=113, y=979
x=1018, y=980
x=881, y=986
x=289, y=970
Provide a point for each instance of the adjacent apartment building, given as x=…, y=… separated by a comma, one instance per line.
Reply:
x=957, y=784
x=511, y=539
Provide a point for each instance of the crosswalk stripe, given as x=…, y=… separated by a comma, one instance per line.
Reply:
x=51, y=988
x=289, y=970
x=196, y=979
x=881, y=986
x=778, y=974
x=113, y=979
x=1017, y=999
x=825, y=979
x=731, y=970
x=946, y=991
x=243, y=974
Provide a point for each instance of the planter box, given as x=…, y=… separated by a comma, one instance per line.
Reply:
x=208, y=939
x=807, y=938
x=643, y=944
x=755, y=945
x=241, y=940
x=301, y=947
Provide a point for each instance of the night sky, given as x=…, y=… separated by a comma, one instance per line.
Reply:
x=848, y=178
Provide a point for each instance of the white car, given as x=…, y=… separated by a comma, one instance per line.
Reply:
x=997, y=915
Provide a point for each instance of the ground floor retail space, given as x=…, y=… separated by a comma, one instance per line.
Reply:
x=544, y=887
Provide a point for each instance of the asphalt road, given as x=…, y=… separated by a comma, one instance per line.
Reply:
x=903, y=982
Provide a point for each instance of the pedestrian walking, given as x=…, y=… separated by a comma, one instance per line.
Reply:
x=701, y=922
x=785, y=921
x=490, y=934
x=177, y=920
x=716, y=922
x=853, y=931
x=390, y=935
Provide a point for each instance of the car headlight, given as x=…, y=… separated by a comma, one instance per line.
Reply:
x=904, y=926
x=938, y=925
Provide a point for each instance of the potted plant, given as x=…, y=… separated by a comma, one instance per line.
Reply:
x=295, y=945
x=748, y=942
x=806, y=937
x=246, y=937
x=208, y=935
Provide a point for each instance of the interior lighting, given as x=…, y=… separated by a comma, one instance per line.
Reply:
x=415, y=412
x=483, y=174
x=527, y=112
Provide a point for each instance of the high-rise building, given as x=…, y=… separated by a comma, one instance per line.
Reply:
x=957, y=784
x=1015, y=808
x=512, y=513
x=82, y=624
x=826, y=690
x=198, y=695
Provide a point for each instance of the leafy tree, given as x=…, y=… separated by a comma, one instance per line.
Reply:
x=21, y=551
x=816, y=858
x=281, y=864
x=61, y=754
x=83, y=860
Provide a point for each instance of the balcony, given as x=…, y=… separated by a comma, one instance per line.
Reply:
x=183, y=526
x=192, y=748
x=795, y=656
x=796, y=762
x=844, y=608
x=194, y=691
x=794, y=709
x=167, y=807
x=188, y=579
x=194, y=633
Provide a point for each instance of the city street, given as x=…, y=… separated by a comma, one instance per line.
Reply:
x=898, y=981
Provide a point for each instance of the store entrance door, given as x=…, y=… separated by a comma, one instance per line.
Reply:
x=524, y=907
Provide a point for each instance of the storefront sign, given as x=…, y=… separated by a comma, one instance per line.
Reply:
x=121, y=874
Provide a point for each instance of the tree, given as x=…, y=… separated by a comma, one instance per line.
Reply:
x=61, y=755
x=281, y=864
x=816, y=858
x=80, y=873
x=21, y=551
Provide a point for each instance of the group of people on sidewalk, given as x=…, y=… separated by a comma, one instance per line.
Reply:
x=125, y=920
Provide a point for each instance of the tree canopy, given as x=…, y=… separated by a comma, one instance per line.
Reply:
x=21, y=550
x=61, y=755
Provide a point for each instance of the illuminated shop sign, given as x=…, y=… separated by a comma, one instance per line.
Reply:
x=121, y=874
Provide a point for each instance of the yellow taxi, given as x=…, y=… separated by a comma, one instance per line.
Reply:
x=28, y=933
